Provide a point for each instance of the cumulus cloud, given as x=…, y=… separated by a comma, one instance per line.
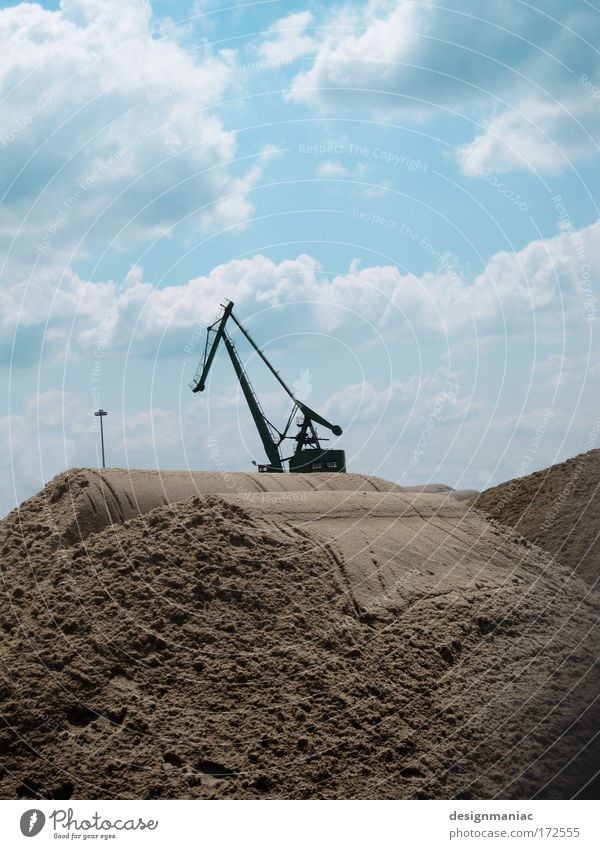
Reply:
x=287, y=40
x=107, y=130
x=416, y=395
x=41, y=444
x=548, y=286
x=542, y=135
x=528, y=73
x=424, y=54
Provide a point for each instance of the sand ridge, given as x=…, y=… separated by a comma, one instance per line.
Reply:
x=84, y=501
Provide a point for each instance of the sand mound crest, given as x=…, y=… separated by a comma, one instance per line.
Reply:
x=84, y=501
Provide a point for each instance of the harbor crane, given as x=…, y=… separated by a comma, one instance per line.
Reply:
x=308, y=455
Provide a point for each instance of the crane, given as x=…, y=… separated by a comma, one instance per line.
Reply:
x=308, y=454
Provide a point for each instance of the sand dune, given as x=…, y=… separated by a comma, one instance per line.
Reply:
x=286, y=636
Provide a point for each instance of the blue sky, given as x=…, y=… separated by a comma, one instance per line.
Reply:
x=401, y=198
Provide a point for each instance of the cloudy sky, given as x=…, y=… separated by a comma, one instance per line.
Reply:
x=400, y=197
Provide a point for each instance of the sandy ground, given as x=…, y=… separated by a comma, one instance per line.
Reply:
x=286, y=636
x=557, y=508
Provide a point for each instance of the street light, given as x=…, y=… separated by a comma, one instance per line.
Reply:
x=101, y=413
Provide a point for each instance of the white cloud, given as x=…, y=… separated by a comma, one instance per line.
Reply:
x=519, y=72
x=548, y=287
x=286, y=39
x=417, y=395
x=55, y=408
x=331, y=168
x=45, y=439
x=107, y=131
x=540, y=135
x=411, y=56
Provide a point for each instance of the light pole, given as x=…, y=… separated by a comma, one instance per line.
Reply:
x=101, y=413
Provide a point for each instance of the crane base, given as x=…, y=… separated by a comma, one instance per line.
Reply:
x=316, y=460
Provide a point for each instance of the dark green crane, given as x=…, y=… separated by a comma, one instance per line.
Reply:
x=308, y=455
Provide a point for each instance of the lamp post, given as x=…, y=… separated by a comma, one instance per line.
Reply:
x=101, y=413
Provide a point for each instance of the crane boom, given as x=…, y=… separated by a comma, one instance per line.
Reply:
x=308, y=456
x=269, y=444
x=200, y=378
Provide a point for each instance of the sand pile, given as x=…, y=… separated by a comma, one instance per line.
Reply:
x=263, y=638
x=557, y=508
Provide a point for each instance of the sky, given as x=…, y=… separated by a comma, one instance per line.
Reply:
x=401, y=198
